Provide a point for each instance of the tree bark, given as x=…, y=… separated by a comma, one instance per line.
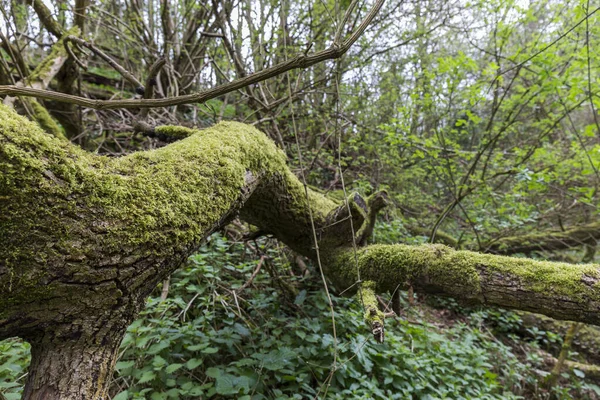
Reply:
x=71, y=364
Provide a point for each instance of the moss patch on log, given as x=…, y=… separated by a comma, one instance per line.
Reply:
x=45, y=120
x=464, y=274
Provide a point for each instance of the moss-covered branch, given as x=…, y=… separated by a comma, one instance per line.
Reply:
x=44, y=119
x=46, y=18
x=558, y=290
x=377, y=202
x=373, y=315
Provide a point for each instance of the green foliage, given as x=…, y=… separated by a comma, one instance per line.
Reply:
x=14, y=359
x=200, y=342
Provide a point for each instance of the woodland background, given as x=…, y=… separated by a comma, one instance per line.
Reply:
x=480, y=120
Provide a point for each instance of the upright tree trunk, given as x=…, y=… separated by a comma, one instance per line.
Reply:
x=76, y=367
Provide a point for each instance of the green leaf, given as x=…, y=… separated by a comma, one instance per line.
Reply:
x=173, y=367
x=124, y=364
x=276, y=359
x=213, y=372
x=147, y=377
x=197, y=347
x=158, y=396
x=210, y=350
x=159, y=362
x=579, y=373
x=300, y=297
x=226, y=384
x=158, y=347
x=124, y=395
x=193, y=363
x=241, y=329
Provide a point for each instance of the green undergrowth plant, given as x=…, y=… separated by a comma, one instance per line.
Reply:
x=14, y=359
x=208, y=339
x=211, y=339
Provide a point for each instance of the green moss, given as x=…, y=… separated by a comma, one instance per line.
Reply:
x=61, y=206
x=546, y=277
x=461, y=273
x=174, y=132
x=45, y=120
x=179, y=191
x=368, y=298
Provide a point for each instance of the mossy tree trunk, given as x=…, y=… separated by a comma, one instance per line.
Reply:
x=86, y=238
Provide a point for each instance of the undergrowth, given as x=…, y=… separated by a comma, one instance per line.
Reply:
x=274, y=340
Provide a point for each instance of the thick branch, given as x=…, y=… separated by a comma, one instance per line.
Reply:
x=82, y=234
x=80, y=11
x=376, y=203
x=46, y=18
x=553, y=240
x=558, y=290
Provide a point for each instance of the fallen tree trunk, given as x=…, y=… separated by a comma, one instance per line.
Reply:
x=547, y=241
x=586, y=341
x=86, y=238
